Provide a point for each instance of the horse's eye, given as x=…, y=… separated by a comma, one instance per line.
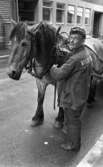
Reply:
x=24, y=44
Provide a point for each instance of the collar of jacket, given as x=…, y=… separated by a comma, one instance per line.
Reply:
x=77, y=49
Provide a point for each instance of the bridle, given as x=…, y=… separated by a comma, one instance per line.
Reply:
x=32, y=66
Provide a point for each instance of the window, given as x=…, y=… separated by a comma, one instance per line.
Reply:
x=47, y=11
x=70, y=14
x=26, y=10
x=60, y=13
x=79, y=15
x=87, y=16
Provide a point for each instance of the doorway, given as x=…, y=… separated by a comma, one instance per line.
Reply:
x=96, y=25
x=26, y=10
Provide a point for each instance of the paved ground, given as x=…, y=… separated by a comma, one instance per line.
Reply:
x=4, y=52
x=24, y=146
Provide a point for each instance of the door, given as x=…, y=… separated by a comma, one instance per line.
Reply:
x=27, y=10
x=96, y=25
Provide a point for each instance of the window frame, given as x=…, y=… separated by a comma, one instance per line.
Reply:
x=63, y=12
x=73, y=20
x=86, y=17
x=50, y=9
x=81, y=22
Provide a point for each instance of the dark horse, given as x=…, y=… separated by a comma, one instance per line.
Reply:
x=35, y=48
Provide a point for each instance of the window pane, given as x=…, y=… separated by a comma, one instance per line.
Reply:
x=59, y=16
x=70, y=14
x=46, y=14
x=47, y=10
x=79, y=15
x=60, y=13
x=87, y=16
x=78, y=19
x=60, y=5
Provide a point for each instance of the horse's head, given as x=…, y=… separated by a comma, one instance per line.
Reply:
x=21, y=45
x=34, y=47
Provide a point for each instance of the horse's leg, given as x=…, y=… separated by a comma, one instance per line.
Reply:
x=38, y=118
x=59, y=120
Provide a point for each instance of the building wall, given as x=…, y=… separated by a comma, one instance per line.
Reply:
x=77, y=3
x=85, y=4
x=9, y=9
x=4, y=10
x=99, y=2
x=4, y=22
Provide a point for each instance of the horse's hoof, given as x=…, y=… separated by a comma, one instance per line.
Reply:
x=36, y=123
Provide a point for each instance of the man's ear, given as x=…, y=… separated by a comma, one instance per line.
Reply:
x=83, y=40
x=58, y=31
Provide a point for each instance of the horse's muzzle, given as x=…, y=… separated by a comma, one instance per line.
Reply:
x=14, y=75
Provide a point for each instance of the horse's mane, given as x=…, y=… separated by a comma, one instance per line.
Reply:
x=44, y=35
x=44, y=38
x=45, y=30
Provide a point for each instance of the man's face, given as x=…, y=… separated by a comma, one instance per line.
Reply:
x=75, y=41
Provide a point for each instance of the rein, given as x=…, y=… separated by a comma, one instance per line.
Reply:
x=32, y=66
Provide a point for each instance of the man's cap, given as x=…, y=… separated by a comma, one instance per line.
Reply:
x=78, y=30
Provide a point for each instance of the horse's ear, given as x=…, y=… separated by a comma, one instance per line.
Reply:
x=30, y=32
x=58, y=30
x=14, y=23
x=13, y=29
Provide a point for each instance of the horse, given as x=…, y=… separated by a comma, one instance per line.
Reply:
x=35, y=48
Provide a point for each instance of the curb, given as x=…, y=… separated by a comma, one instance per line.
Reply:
x=4, y=56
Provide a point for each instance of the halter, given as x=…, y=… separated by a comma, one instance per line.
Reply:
x=33, y=64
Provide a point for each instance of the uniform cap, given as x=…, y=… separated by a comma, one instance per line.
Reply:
x=78, y=30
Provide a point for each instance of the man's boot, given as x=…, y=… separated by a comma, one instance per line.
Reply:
x=73, y=139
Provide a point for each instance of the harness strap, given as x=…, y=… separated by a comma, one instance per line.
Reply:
x=55, y=86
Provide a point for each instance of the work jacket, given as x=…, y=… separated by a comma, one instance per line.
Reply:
x=74, y=79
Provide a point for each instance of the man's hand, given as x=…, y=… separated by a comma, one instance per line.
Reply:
x=55, y=66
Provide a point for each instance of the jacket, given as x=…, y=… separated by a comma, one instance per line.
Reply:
x=74, y=79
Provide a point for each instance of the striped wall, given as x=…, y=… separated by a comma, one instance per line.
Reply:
x=4, y=22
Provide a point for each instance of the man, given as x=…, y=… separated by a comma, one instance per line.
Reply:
x=74, y=81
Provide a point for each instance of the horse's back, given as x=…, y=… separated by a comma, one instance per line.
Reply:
x=95, y=48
